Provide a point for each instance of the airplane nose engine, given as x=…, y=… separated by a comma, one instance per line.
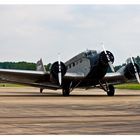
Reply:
x=129, y=71
x=54, y=70
x=103, y=58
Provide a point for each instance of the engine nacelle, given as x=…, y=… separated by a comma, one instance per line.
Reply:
x=54, y=70
x=129, y=71
x=103, y=58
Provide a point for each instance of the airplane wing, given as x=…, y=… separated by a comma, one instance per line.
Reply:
x=74, y=76
x=125, y=74
x=114, y=78
x=32, y=78
x=22, y=75
x=35, y=78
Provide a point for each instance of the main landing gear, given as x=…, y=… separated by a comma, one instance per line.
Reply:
x=68, y=87
x=41, y=90
x=109, y=89
x=66, y=90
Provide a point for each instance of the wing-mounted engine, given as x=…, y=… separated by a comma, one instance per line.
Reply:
x=129, y=70
x=57, y=71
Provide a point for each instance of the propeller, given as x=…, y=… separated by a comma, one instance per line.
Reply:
x=108, y=58
x=60, y=72
x=136, y=71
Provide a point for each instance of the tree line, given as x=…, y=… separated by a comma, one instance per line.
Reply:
x=20, y=65
x=32, y=66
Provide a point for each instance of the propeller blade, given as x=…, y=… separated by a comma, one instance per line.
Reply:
x=59, y=73
x=136, y=72
x=111, y=66
x=137, y=77
x=60, y=78
x=108, y=58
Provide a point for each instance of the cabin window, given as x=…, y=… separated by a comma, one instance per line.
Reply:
x=73, y=64
x=70, y=66
x=80, y=60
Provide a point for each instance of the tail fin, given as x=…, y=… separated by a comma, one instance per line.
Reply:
x=40, y=66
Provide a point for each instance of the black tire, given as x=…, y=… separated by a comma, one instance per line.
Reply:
x=41, y=90
x=66, y=90
x=111, y=90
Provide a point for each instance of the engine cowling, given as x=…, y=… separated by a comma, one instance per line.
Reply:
x=54, y=70
x=129, y=71
x=103, y=58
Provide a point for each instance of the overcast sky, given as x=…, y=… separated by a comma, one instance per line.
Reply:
x=31, y=32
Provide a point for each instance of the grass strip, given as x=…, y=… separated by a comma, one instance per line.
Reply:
x=131, y=86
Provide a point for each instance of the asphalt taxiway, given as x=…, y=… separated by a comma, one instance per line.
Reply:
x=26, y=111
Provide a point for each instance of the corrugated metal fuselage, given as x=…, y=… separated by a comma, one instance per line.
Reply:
x=90, y=66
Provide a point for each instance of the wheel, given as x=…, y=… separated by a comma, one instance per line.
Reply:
x=41, y=90
x=111, y=90
x=66, y=91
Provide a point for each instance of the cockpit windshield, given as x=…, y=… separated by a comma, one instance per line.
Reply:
x=90, y=53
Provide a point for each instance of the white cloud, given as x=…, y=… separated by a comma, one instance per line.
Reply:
x=28, y=32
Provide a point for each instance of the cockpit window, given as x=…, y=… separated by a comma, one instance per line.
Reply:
x=90, y=53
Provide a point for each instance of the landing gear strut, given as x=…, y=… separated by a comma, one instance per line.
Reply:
x=108, y=88
x=68, y=87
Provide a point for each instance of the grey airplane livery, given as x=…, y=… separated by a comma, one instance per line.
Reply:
x=86, y=70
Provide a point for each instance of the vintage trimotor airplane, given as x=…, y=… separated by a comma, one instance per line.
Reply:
x=85, y=70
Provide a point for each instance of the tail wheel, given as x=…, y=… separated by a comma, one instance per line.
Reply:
x=111, y=90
